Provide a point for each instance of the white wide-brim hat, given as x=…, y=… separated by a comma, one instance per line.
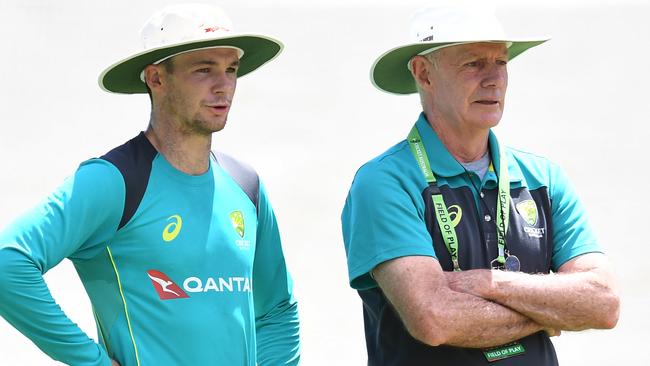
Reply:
x=183, y=28
x=437, y=27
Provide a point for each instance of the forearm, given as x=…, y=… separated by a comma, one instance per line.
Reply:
x=472, y=322
x=436, y=314
x=568, y=301
x=278, y=336
x=26, y=303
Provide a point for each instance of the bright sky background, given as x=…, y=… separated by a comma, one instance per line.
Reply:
x=309, y=119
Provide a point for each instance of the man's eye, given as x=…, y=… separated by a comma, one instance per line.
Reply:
x=203, y=71
x=471, y=64
x=502, y=62
x=231, y=70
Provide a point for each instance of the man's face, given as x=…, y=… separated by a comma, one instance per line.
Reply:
x=469, y=85
x=198, y=89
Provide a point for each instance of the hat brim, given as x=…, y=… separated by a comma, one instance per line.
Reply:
x=124, y=76
x=389, y=73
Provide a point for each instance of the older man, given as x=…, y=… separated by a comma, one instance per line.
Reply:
x=178, y=249
x=465, y=252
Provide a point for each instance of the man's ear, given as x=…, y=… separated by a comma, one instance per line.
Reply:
x=152, y=76
x=420, y=68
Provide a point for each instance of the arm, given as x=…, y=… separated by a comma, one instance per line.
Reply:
x=67, y=224
x=385, y=234
x=276, y=310
x=580, y=296
x=436, y=314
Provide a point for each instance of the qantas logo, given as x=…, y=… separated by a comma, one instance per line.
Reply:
x=166, y=288
x=229, y=284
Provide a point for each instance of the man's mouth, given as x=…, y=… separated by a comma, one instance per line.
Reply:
x=487, y=102
x=218, y=108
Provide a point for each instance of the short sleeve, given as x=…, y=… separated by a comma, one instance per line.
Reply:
x=572, y=234
x=383, y=219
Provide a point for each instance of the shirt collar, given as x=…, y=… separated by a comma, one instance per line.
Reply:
x=514, y=171
x=442, y=162
x=445, y=165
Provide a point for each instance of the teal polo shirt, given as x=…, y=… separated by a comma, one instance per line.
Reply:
x=384, y=213
x=389, y=214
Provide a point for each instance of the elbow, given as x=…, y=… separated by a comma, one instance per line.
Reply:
x=5, y=264
x=610, y=307
x=428, y=329
x=5, y=274
x=611, y=312
x=428, y=337
x=12, y=264
x=603, y=313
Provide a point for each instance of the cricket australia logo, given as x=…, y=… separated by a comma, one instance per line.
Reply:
x=528, y=210
x=237, y=220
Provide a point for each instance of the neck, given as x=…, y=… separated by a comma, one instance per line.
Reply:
x=465, y=145
x=186, y=151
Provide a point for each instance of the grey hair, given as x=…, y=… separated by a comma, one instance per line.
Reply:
x=434, y=58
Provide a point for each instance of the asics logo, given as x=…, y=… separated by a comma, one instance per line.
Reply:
x=165, y=287
x=170, y=232
x=455, y=214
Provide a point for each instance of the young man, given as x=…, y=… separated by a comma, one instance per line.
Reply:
x=178, y=249
x=465, y=252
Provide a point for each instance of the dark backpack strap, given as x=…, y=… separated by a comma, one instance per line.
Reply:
x=242, y=173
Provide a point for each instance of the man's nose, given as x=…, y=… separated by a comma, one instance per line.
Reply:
x=223, y=84
x=496, y=76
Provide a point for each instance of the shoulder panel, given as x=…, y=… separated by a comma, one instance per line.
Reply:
x=133, y=160
x=242, y=173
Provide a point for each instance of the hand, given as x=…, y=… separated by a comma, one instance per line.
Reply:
x=552, y=332
x=114, y=363
x=474, y=282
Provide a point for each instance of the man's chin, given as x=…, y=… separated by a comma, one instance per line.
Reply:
x=207, y=126
x=219, y=127
x=489, y=121
x=219, y=124
x=215, y=127
x=215, y=123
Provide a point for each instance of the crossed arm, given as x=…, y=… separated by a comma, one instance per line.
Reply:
x=483, y=308
x=581, y=295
